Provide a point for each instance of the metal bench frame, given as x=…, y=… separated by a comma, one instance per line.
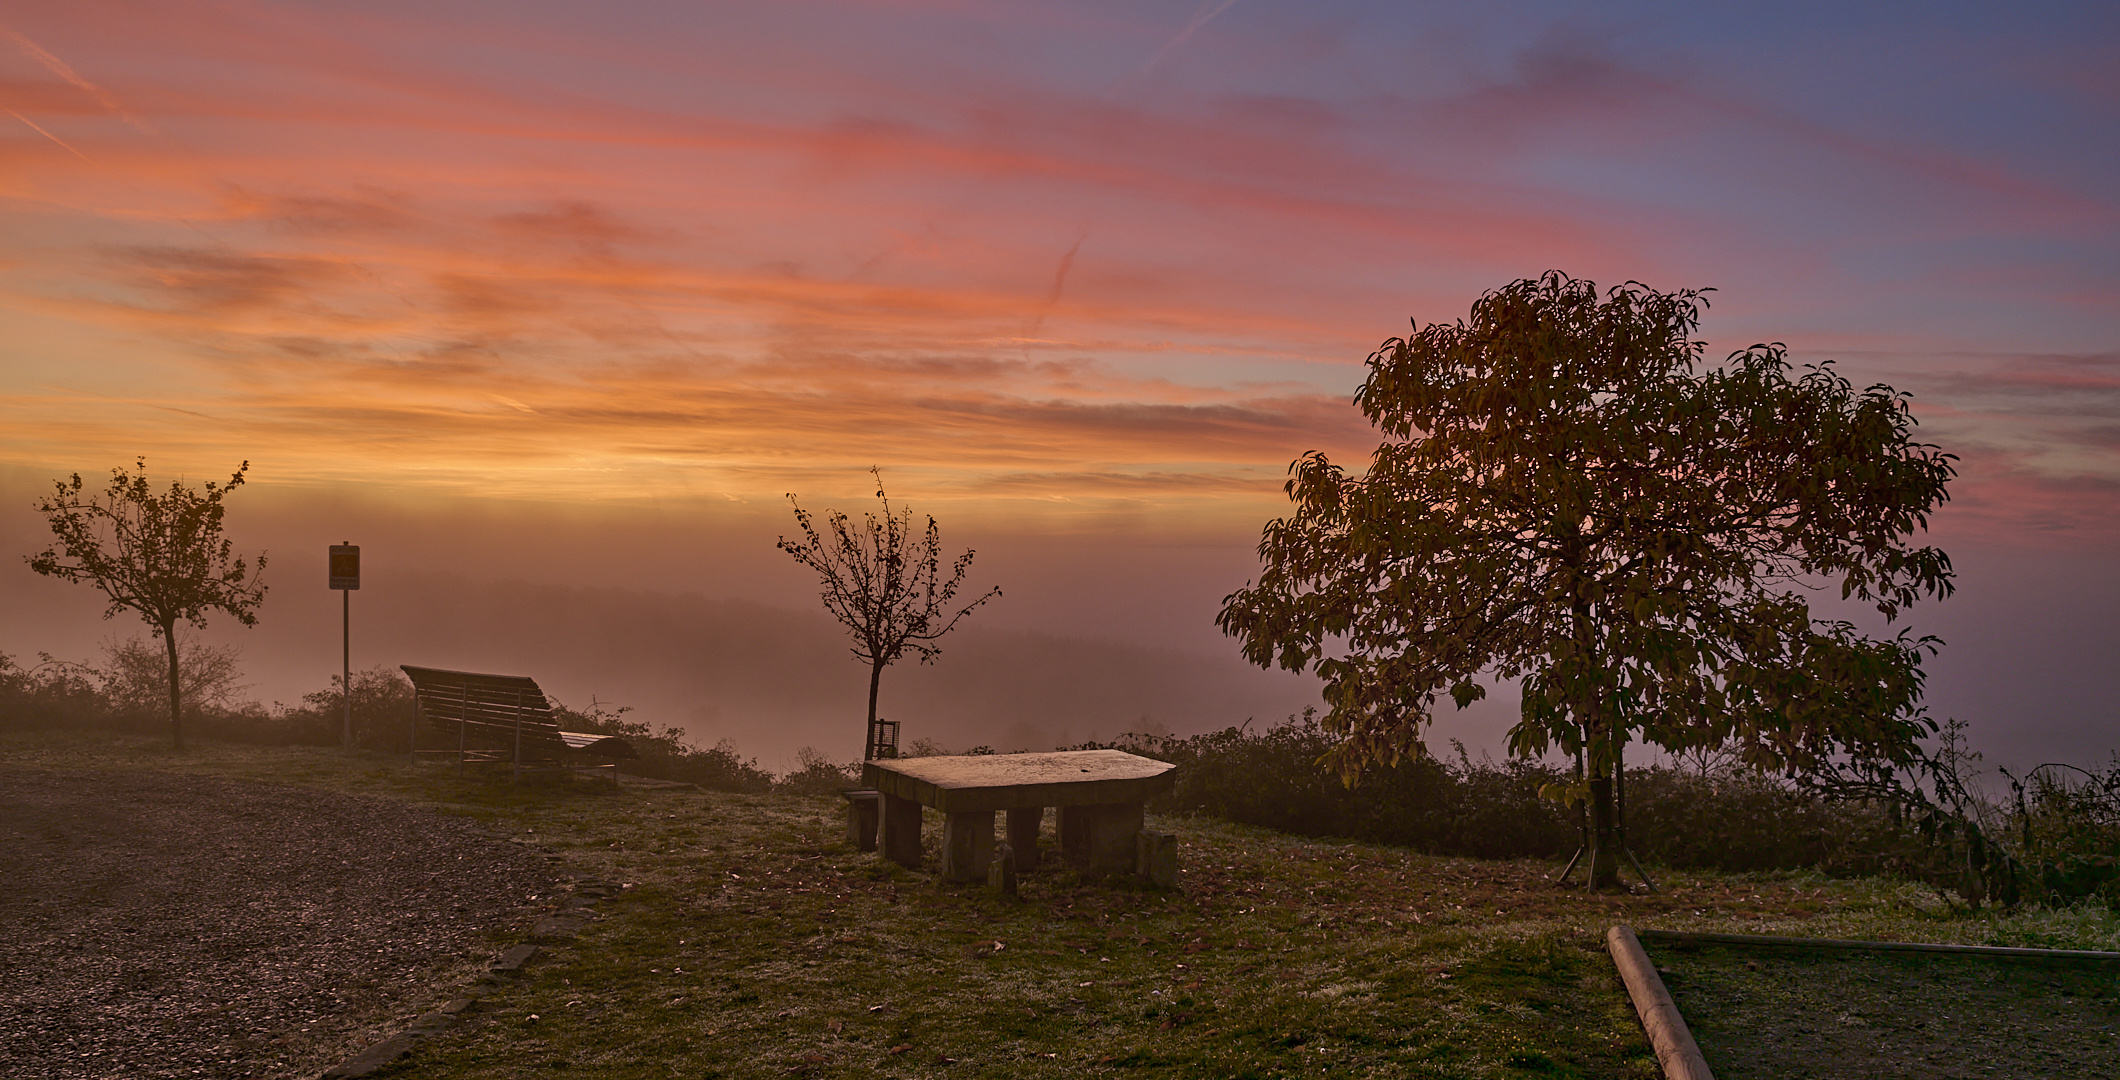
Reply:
x=509, y=710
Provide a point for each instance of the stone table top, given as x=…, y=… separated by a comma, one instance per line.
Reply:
x=977, y=782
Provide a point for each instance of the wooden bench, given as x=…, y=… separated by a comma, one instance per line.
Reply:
x=1099, y=797
x=503, y=718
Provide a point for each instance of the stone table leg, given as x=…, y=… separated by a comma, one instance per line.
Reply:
x=861, y=819
x=1023, y=837
x=1101, y=838
x=1072, y=825
x=901, y=831
x=967, y=845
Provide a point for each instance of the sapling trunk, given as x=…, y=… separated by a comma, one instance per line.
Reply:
x=868, y=746
x=176, y=692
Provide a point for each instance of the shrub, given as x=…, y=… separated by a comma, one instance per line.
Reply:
x=382, y=717
x=1722, y=820
x=135, y=679
x=817, y=775
x=2067, y=832
x=666, y=755
x=54, y=693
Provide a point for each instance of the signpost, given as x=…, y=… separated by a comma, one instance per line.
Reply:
x=346, y=577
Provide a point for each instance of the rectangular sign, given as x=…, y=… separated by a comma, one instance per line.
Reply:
x=345, y=566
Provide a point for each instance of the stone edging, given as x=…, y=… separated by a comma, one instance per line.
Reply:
x=574, y=913
x=1675, y=1048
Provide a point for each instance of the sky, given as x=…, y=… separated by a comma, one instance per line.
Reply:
x=562, y=300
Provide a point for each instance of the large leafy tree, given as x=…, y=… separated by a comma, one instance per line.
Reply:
x=1567, y=496
x=159, y=555
x=883, y=581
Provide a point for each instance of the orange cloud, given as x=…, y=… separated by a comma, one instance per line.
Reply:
x=566, y=254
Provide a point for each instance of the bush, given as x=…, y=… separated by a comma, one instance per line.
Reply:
x=1733, y=820
x=129, y=693
x=2067, y=832
x=55, y=693
x=135, y=679
x=817, y=775
x=382, y=717
x=1723, y=820
x=666, y=755
x=1272, y=778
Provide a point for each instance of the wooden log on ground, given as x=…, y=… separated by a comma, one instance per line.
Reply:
x=1675, y=1049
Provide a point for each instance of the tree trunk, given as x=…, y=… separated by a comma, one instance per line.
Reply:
x=868, y=743
x=1589, y=709
x=1604, y=842
x=1605, y=851
x=176, y=693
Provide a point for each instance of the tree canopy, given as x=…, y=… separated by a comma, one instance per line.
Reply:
x=162, y=556
x=884, y=583
x=1565, y=495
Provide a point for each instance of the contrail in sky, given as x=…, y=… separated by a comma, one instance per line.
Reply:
x=1207, y=11
x=110, y=101
x=65, y=71
x=62, y=142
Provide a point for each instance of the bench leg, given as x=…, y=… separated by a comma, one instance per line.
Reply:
x=862, y=815
x=967, y=845
x=1156, y=859
x=901, y=831
x=1023, y=837
x=1072, y=825
x=1100, y=839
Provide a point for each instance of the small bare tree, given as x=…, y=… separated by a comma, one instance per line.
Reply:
x=160, y=555
x=135, y=681
x=884, y=584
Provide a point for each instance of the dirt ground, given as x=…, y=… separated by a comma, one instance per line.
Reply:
x=1829, y=1014
x=160, y=925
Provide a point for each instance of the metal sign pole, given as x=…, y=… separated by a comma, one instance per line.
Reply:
x=346, y=659
x=344, y=565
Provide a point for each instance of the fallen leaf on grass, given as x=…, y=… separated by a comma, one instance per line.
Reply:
x=900, y=1048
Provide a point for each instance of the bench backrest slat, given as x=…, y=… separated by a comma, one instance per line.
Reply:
x=488, y=704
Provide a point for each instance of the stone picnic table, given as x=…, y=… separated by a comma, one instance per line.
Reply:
x=1099, y=797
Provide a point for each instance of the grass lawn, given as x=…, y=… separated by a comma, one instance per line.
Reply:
x=748, y=940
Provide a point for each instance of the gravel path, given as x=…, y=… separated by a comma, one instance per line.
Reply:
x=158, y=925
